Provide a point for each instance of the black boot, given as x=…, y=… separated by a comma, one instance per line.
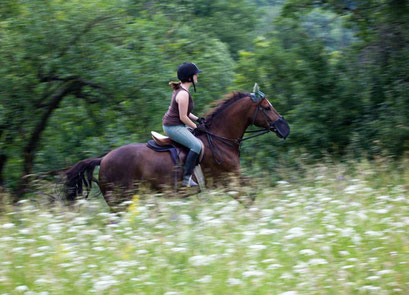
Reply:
x=190, y=164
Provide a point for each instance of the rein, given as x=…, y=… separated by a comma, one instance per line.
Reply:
x=236, y=142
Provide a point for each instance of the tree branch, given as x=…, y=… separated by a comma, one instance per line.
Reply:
x=85, y=30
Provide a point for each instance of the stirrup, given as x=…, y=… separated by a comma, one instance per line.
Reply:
x=189, y=183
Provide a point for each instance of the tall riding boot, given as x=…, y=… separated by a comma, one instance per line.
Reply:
x=190, y=164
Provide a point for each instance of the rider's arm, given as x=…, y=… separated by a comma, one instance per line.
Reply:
x=183, y=102
x=193, y=117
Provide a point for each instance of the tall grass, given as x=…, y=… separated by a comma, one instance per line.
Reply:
x=338, y=230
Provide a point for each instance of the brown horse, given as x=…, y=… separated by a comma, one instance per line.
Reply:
x=135, y=163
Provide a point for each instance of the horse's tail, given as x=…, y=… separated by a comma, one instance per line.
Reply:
x=79, y=176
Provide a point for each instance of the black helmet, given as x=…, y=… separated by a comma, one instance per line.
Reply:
x=186, y=71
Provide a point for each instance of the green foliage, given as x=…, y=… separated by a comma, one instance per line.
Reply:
x=341, y=95
x=80, y=78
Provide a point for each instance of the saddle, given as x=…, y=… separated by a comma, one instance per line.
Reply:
x=162, y=143
x=178, y=152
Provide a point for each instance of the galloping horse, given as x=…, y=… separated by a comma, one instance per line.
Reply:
x=135, y=163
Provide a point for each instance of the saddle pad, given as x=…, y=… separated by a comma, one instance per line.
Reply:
x=165, y=148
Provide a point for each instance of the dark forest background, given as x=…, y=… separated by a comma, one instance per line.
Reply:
x=80, y=78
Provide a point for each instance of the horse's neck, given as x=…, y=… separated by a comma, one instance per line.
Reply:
x=232, y=123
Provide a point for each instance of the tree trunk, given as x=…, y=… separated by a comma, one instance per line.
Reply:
x=29, y=150
x=3, y=160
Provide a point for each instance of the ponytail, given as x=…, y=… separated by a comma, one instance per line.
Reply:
x=175, y=85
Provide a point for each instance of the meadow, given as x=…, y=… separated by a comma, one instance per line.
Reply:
x=336, y=230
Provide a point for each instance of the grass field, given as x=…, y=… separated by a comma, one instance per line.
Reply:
x=331, y=232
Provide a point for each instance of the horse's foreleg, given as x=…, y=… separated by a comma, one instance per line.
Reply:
x=240, y=189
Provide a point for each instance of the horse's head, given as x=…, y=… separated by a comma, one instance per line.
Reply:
x=265, y=115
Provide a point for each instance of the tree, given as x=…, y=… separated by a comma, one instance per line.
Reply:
x=94, y=74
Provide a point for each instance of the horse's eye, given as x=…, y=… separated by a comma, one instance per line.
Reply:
x=268, y=108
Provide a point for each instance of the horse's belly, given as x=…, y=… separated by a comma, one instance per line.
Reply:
x=136, y=163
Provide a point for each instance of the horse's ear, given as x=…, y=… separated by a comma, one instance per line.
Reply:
x=257, y=95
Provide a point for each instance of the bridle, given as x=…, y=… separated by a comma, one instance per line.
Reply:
x=236, y=142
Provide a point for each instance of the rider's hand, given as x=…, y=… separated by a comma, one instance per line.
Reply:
x=201, y=120
x=201, y=128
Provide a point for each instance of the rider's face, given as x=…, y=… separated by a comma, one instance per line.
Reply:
x=195, y=78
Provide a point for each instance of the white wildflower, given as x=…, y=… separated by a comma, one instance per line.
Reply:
x=6, y=239
x=18, y=249
x=265, y=231
x=39, y=254
x=142, y=251
x=295, y=232
x=373, y=233
x=230, y=251
x=308, y=252
x=22, y=288
x=385, y=198
x=289, y=293
x=370, y=288
x=352, y=189
x=267, y=212
x=24, y=231
x=301, y=267
x=384, y=272
x=104, y=238
x=185, y=219
x=206, y=279
x=91, y=232
x=253, y=273
x=257, y=247
x=104, y=283
x=99, y=249
x=178, y=249
x=54, y=228
x=46, y=238
x=200, y=260
x=80, y=220
x=381, y=211
x=234, y=282
x=286, y=275
x=42, y=281
x=232, y=193
x=317, y=261
x=7, y=225
x=274, y=266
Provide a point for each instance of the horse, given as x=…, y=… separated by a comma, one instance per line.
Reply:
x=126, y=166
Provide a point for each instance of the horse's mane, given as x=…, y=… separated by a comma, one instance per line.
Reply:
x=223, y=104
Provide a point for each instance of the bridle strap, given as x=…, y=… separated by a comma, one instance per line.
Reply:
x=235, y=142
x=260, y=132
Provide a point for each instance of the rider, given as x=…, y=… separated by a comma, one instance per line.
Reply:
x=179, y=116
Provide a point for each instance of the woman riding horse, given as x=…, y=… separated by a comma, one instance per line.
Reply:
x=125, y=168
x=179, y=116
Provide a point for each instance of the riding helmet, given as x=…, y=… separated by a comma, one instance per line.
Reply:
x=186, y=71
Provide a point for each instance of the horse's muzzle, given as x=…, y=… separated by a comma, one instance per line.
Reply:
x=280, y=127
